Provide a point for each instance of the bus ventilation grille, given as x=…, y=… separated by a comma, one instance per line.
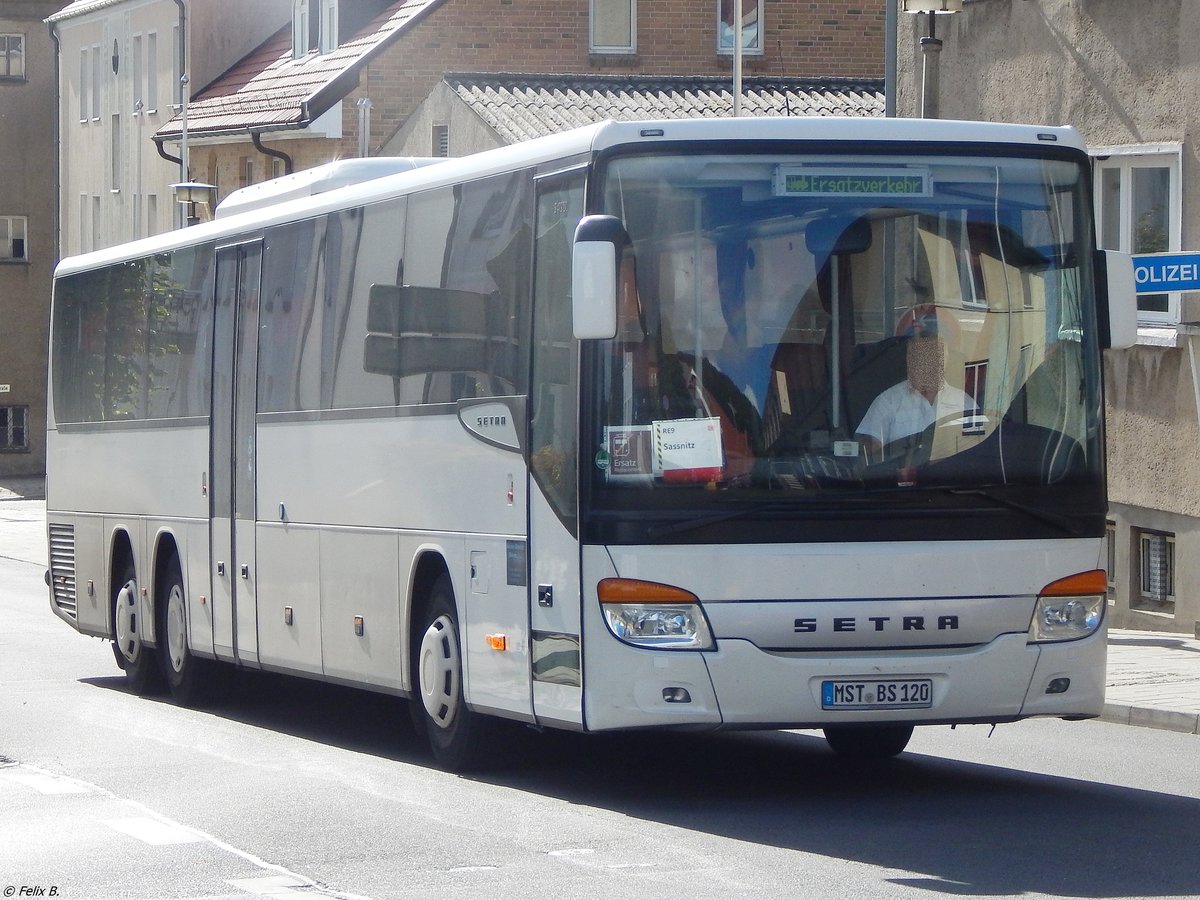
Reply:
x=62, y=567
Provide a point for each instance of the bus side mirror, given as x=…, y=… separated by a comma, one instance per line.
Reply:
x=594, y=277
x=1117, y=295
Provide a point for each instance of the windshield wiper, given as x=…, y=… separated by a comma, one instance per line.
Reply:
x=1062, y=523
x=842, y=502
x=828, y=502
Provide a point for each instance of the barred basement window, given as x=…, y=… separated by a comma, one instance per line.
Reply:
x=1156, y=553
x=1110, y=553
x=14, y=429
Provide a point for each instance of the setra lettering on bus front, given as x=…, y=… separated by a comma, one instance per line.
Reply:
x=845, y=624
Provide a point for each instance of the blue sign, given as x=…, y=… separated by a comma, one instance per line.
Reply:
x=1158, y=273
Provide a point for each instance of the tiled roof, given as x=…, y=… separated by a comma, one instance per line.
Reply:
x=519, y=107
x=268, y=89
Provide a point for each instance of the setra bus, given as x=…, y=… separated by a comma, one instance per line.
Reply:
x=755, y=423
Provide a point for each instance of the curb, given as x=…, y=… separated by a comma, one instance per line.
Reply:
x=1148, y=717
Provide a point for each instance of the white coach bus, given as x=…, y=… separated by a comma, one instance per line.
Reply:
x=755, y=423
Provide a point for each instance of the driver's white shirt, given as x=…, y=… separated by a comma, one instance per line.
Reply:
x=901, y=411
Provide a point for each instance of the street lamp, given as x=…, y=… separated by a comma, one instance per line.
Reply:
x=190, y=193
x=931, y=47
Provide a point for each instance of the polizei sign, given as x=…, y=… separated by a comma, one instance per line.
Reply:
x=1159, y=273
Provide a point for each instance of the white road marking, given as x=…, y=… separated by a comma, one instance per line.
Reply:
x=44, y=782
x=273, y=886
x=155, y=831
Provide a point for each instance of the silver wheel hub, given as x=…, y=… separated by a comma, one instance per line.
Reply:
x=176, y=628
x=440, y=669
x=129, y=641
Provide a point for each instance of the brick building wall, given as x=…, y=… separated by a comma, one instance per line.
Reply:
x=836, y=38
x=832, y=38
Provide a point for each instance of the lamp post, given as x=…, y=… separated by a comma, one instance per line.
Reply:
x=931, y=48
x=190, y=193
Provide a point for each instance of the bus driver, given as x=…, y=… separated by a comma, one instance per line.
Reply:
x=908, y=408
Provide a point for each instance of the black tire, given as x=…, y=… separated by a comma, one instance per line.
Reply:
x=138, y=660
x=191, y=680
x=457, y=736
x=868, y=741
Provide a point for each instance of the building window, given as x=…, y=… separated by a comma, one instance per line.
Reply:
x=116, y=152
x=152, y=214
x=176, y=60
x=614, y=26
x=151, y=96
x=329, y=25
x=1140, y=210
x=750, y=23
x=306, y=27
x=13, y=230
x=135, y=75
x=14, y=429
x=245, y=171
x=441, y=140
x=84, y=80
x=97, y=81
x=12, y=56
x=1156, y=558
x=277, y=169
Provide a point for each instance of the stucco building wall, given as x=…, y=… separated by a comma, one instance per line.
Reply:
x=1126, y=75
x=26, y=131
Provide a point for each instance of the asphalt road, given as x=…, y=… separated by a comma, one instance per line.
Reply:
x=298, y=789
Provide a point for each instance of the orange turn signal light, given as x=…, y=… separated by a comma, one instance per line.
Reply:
x=497, y=641
x=631, y=590
x=1078, y=585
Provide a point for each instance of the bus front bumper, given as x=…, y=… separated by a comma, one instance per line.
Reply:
x=741, y=686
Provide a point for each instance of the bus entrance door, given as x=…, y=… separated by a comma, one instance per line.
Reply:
x=231, y=490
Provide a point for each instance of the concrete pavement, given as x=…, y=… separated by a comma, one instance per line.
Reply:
x=1153, y=677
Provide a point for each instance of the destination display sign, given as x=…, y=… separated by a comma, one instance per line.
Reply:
x=830, y=181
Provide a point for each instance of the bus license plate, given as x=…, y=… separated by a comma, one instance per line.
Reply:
x=912, y=693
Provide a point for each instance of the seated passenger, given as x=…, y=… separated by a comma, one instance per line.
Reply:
x=908, y=408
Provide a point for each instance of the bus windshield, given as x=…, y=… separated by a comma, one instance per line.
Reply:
x=807, y=327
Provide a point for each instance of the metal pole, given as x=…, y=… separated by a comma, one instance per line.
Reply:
x=889, y=59
x=738, y=38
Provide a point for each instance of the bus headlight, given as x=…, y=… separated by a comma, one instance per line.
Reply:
x=1070, y=608
x=647, y=614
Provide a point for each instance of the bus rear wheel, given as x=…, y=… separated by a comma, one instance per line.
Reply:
x=191, y=680
x=455, y=734
x=132, y=655
x=868, y=741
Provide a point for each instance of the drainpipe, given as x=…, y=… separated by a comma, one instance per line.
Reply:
x=256, y=139
x=183, y=42
x=364, y=126
x=158, y=142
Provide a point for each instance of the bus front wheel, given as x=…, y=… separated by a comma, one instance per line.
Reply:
x=868, y=741
x=455, y=734
x=132, y=655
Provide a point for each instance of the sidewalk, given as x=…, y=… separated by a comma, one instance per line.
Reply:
x=1153, y=677
x=18, y=487
x=1153, y=680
